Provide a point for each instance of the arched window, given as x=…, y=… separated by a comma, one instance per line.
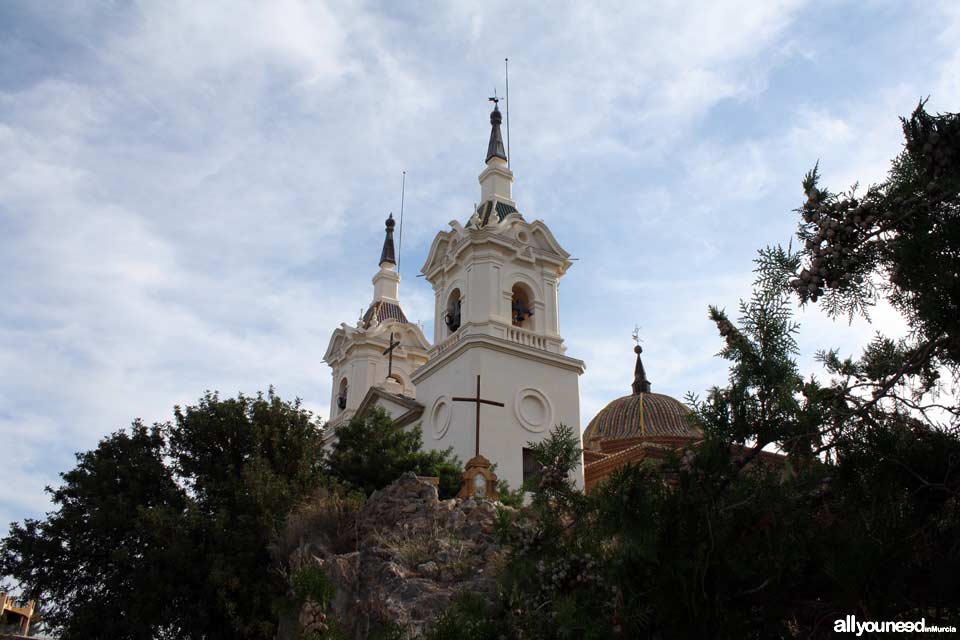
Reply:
x=521, y=306
x=454, y=305
x=342, y=395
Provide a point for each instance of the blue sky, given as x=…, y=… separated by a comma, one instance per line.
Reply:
x=192, y=194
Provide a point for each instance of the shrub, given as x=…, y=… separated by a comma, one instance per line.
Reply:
x=311, y=583
x=371, y=452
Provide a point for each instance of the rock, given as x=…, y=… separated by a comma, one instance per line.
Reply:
x=415, y=553
x=394, y=570
x=312, y=618
x=458, y=519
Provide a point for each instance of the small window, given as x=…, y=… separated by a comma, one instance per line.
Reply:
x=531, y=468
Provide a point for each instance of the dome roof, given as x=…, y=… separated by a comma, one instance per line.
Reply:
x=641, y=415
x=381, y=310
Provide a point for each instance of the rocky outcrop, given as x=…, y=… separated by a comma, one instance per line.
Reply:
x=414, y=554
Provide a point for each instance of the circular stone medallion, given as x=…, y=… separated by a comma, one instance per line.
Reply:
x=533, y=410
x=440, y=416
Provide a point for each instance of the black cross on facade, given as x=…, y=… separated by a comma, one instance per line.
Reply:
x=478, y=401
x=389, y=350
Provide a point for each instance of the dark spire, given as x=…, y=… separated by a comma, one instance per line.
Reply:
x=388, y=254
x=495, y=148
x=640, y=382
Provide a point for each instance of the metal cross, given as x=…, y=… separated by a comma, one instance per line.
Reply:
x=478, y=401
x=636, y=334
x=389, y=350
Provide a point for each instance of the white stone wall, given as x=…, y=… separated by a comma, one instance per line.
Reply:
x=538, y=393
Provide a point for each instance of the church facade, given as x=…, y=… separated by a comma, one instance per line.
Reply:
x=496, y=377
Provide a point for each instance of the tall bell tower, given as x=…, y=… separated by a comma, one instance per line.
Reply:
x=495, y=281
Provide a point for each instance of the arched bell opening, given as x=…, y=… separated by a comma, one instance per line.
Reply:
x=521, y=306
x=342, y=395
x=453, y=312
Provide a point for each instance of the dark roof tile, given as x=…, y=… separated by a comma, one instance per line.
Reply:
x=382, y=310
x=639, y=415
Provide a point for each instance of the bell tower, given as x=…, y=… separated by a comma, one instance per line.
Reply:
x=381, y=351
x=496, y=290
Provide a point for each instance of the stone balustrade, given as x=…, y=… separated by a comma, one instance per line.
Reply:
x=526, y=338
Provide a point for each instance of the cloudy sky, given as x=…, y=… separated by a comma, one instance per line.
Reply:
x=192, y=193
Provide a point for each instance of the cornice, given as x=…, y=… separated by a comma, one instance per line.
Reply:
x=346, y=339
x=502, y=345
x=463, y=240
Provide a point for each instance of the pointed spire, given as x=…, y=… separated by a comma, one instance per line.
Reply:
x=495, y=148
x=388, y=254
x=496, y=179
x=640, y=382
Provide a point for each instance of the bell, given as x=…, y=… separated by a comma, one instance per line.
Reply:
x=452, y=321
x=452, y=318
x=520, y=311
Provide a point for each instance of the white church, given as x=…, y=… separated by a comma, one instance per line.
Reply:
x=496, y=375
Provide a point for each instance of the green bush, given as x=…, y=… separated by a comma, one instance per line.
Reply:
x=510, y=497
x=371, y=452
x=468, y=618
x=311, y=583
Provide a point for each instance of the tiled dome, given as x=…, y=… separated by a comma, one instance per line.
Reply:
x=381, y=310
x=640, y=415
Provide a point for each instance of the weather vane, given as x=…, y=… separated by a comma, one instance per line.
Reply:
x=636, y=334
x=495, y=100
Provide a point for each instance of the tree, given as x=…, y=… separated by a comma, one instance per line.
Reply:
x=102, y=562
x=861, y=518
x=247, y=462
x=899, y=240
x=164, y=531
x=371, y=452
